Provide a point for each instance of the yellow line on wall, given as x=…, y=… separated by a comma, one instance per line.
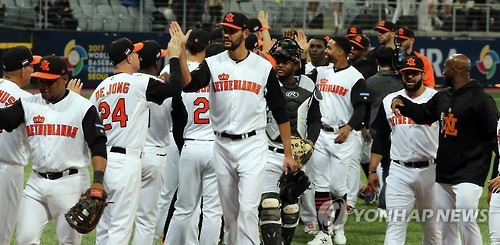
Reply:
x=10, y=45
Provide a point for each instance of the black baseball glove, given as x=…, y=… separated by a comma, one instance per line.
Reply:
x=292, y=185
x=84, y=216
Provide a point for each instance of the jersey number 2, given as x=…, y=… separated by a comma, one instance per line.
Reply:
x=119, y=114
x=202, y=102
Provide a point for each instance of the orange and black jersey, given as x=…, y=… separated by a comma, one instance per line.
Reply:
x=468, y=131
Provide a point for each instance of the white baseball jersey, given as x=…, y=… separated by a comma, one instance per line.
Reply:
x=13, y=145
x=336, y=87
x=411, y=142
x=52, y=127
x=198, y=121
x=498, y=140
x=309, y=67
x=159, y=120
x=122, y=104
x=237, y=91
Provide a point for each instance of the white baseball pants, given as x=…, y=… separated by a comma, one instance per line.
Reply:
x=331, y=161
x=11, y=187
x=153, y=165
x=406, y=186
x=196, y=179
x=494, y=219
x=170, y=183
x=463, y=196
x=353, y=174
x=307, y=205
x=122, y=181
x=240, y=166
x=46, y=200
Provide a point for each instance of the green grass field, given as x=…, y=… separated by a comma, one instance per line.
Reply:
x=362, y=232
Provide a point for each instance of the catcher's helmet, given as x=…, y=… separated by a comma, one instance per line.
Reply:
x=286, y=48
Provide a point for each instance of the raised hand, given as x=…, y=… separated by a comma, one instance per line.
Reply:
x=174, y=47
x=263, y=18
x=176, y=30
x=75, y=85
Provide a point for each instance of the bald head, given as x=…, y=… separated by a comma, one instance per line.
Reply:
x=460, y=62
x=457, y=70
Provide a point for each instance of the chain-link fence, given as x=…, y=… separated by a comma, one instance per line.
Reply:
x=327, y=16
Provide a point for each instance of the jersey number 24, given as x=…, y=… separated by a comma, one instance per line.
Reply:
x=118, y=115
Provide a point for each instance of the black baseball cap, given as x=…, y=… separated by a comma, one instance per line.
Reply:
x=235, y=20
x=151, y=51
x=254, y=25
x=405, y=33
x=51, y=67
x=120, y=49
x=200, y=36
x=412, y=63
x=18, y=57
x=252, y=42
x=360, y=42
x=385, y=26
x=353, y=31
x=214, y=49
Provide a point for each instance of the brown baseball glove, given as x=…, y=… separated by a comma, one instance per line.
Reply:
x=84, y=216
x=301, y=150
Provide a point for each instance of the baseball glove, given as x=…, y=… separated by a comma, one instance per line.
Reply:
x=84, y=216
x=301, y=150
x=292, y=185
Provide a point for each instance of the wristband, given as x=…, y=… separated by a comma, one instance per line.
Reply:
x=372, y=172
x=98, y=177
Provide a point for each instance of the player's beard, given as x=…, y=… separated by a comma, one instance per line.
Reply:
x=233, y=44
x=416, y=86
x=449, y=81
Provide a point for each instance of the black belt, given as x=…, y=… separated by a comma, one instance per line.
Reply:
x=236, y=136
x=117, y=149
x=277, y=150
x=57, y=175
x=422, y=164
x=189, y=139
x=330, y=129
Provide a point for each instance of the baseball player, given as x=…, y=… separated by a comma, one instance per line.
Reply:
x=195, y=56
x=316, y=49
x=413, y=151
x=123, y=102
x=278, y=220
x=197, y=177
x=240, y=153
x=60, y=125
x=154, y=157
x=343, y=109
x=407, y=38
x=494, y=202
x=17, y=69
x=468, y=118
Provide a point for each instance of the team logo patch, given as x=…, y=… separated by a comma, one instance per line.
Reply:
x=292, y=94
x=38, y=119
x=45, y=65
x=323, y=80
x=223, y=77
x=411, y=62
x=229, y=17
x=25, y=62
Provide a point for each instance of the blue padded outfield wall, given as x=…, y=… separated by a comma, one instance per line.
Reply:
x=86, y=52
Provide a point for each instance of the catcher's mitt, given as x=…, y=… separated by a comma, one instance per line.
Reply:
x=301, y=150
x=84, y=216
x=292, y=185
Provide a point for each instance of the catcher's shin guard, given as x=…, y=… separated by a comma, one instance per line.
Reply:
x=290, y=215
x=270, y=219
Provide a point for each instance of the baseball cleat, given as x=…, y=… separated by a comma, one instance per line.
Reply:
x=339, y=236
x=370, y=195
x=321, y=239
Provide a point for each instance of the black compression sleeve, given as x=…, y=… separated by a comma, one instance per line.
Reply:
x=157, y=91
x=313, y=75
x=11, y=117
x=179, y=121
x=313, y=121
x=275, y=99
x=358, y=115
x=494, y=172
x=93, y=131
x=382, y=135
x=200, y=78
